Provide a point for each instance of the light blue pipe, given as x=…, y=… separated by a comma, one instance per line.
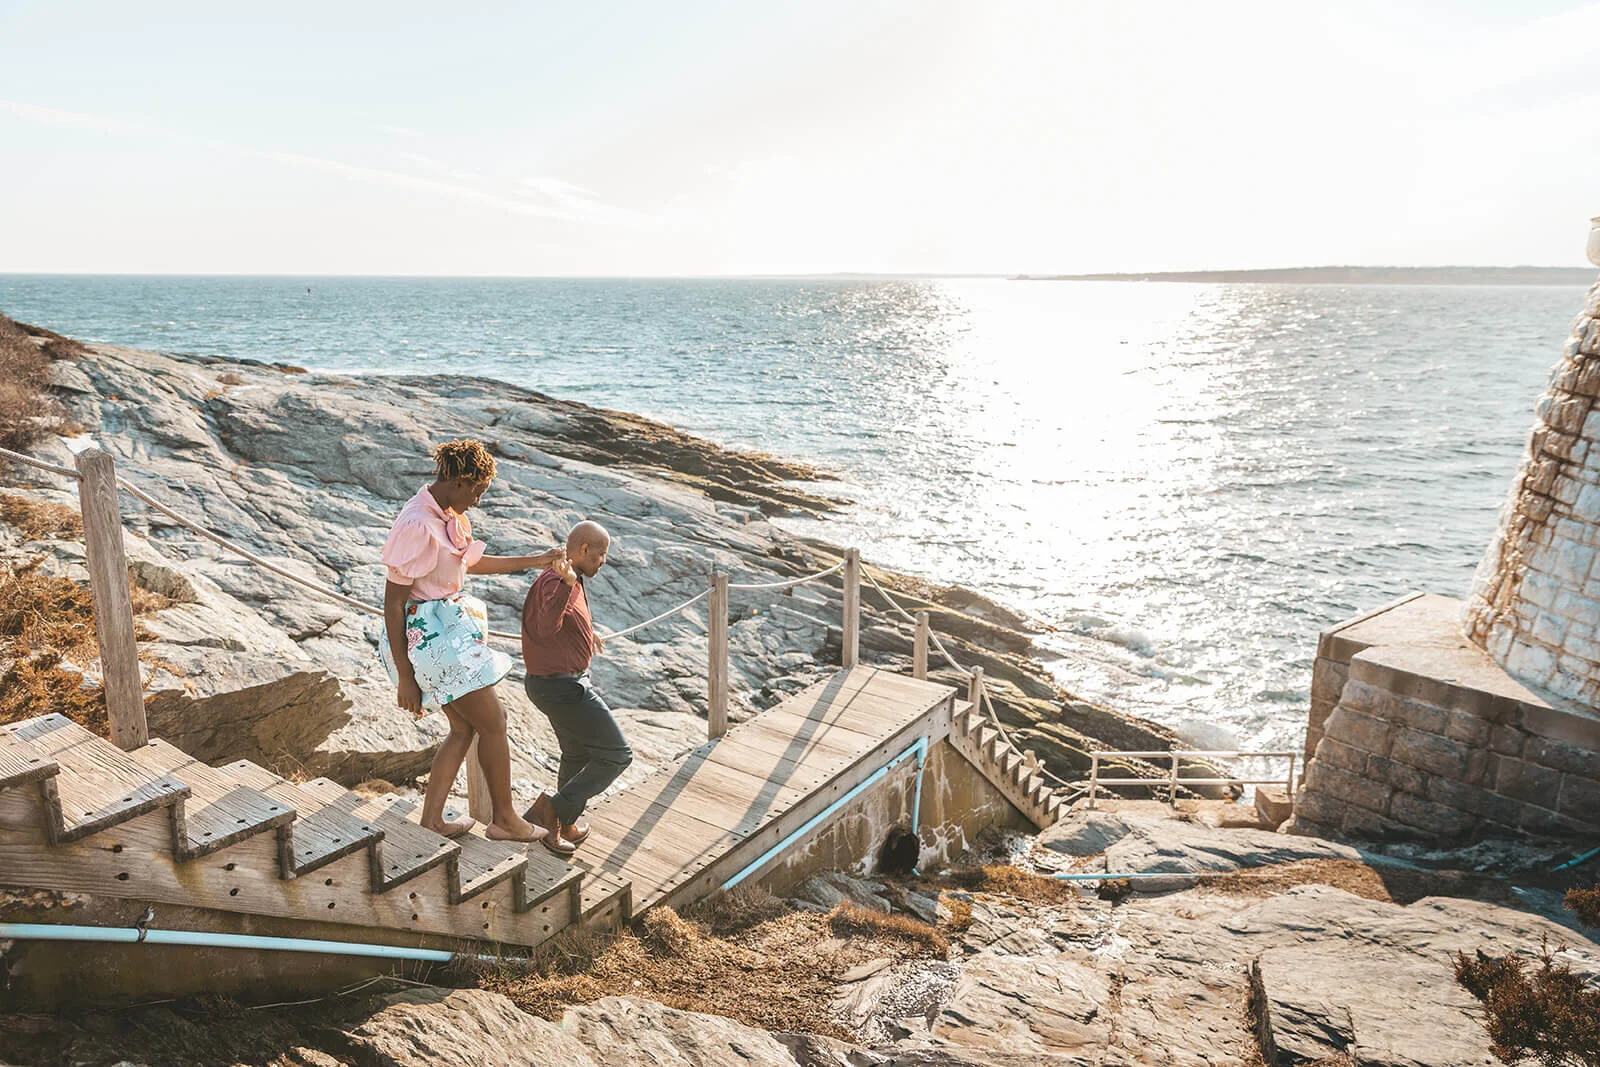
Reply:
x=919, y=749
x=1574, y=862
x=206, y=939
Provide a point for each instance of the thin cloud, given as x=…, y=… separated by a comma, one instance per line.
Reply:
x=400, y=131
x=569, y=208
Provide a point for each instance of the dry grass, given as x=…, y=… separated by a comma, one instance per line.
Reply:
x=1550, y=1015
x=736, y=910
x=1585, y=904
x=852, y=920
x=230, y=378
x=40, y=519
x=780, y=975
x=47, y=621
x=1004, y=880
x=28, y=413
x=1390, y=885
x=41, y=686
x=960, y=914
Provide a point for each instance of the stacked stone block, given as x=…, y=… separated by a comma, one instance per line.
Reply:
x=1397, y=766
x=1535, y=601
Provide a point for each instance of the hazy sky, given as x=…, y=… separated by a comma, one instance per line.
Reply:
x=700, y=137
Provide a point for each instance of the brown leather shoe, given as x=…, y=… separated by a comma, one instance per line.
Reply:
x=542, y=814
x=575, y=834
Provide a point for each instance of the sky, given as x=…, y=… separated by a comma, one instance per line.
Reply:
x=750, y=137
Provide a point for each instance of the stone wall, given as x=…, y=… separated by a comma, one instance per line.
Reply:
x=1430, y=739
x=1536, y=598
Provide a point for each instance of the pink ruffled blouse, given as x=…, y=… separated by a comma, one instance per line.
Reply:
x=430, y=548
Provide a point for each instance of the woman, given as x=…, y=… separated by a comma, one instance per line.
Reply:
x=437, y=653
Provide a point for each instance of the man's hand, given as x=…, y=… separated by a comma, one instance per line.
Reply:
x=599, y=644
x=564, y=571
x=410, y=696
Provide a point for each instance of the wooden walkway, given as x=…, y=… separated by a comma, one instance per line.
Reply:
x=685, y=830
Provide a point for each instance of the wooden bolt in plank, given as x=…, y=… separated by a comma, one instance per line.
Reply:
x=919, y=650
x=717, y=672
x=113, y=607
x=850, y=651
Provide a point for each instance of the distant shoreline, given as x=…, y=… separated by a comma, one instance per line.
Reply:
x=1350, y=276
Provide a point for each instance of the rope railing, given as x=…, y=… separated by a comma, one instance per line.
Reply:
x=98, y=484
x=65, y=472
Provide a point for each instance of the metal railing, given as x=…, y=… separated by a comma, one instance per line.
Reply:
x=1172, y=781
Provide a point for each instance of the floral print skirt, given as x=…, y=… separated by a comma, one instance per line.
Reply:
x=448, y=643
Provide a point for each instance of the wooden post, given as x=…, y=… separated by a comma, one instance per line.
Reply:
x=480, y=805
x=850, y=653
x=919, y=650
x=1172, y=783
x=113, y=607
x=717, y=672
x=975, y=690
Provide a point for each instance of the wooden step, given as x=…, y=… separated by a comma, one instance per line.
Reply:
x=406, y=850
x=21, y=763
x=219, y=810
x=485, y=863
x=320, y=834
x=607, y=899
x=97, y=785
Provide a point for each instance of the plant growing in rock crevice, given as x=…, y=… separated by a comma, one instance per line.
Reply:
x=1550, y=1015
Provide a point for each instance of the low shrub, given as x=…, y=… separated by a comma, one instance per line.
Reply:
x=1550, y=1015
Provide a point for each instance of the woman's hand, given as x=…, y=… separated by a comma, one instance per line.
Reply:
x=410, y=696
x=547, y=558
x=564, y=571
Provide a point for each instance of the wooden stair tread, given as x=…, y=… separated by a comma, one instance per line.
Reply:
x=603, y=887
x=20, y=762
x=407, y=849
x=220, y=810
x=98, y=784
x=321, y=834
x=485, y=863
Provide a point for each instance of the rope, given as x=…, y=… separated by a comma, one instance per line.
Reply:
x=65, y=472
x=983, y=694
x=334, y=594
x=787, y=582
x=664, y=615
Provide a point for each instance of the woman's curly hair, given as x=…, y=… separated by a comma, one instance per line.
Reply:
x=465, y=460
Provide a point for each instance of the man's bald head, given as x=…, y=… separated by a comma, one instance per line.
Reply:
x=586, y=547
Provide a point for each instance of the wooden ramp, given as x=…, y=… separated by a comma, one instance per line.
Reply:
x=685, y=830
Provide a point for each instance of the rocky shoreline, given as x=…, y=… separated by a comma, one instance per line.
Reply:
x=307, y=469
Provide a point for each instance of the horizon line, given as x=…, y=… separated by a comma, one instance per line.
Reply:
x=761, y=275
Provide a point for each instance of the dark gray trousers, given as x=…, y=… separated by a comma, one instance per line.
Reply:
x=593, y=750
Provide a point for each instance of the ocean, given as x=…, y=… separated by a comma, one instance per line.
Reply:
x=1184, y=482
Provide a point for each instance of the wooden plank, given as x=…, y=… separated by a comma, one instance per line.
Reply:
x=98, y=784
x=700, y=784
x=113, y=609
x=484, y=864
x=607, y=900
x=320, y=834
x=219, y=811
x=406, y=851
x=933, y=724
x=21, y=763
x=656, y=845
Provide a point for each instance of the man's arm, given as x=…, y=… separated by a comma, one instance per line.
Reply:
x=553, y=601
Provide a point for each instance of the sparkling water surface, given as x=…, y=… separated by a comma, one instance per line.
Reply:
x=1186, y=482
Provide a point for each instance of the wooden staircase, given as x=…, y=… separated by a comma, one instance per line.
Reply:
x=78, y=814
x=1014, y=773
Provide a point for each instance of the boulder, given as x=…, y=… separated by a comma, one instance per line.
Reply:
x=831, y=888
x=461, y=1028
x=633, y=1032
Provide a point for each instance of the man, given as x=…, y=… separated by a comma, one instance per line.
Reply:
x=558, y=641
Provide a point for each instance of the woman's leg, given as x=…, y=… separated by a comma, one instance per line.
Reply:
x=481, y=710
x=442, y=775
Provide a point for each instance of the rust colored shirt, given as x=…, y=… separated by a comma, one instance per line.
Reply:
x=557, y=632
